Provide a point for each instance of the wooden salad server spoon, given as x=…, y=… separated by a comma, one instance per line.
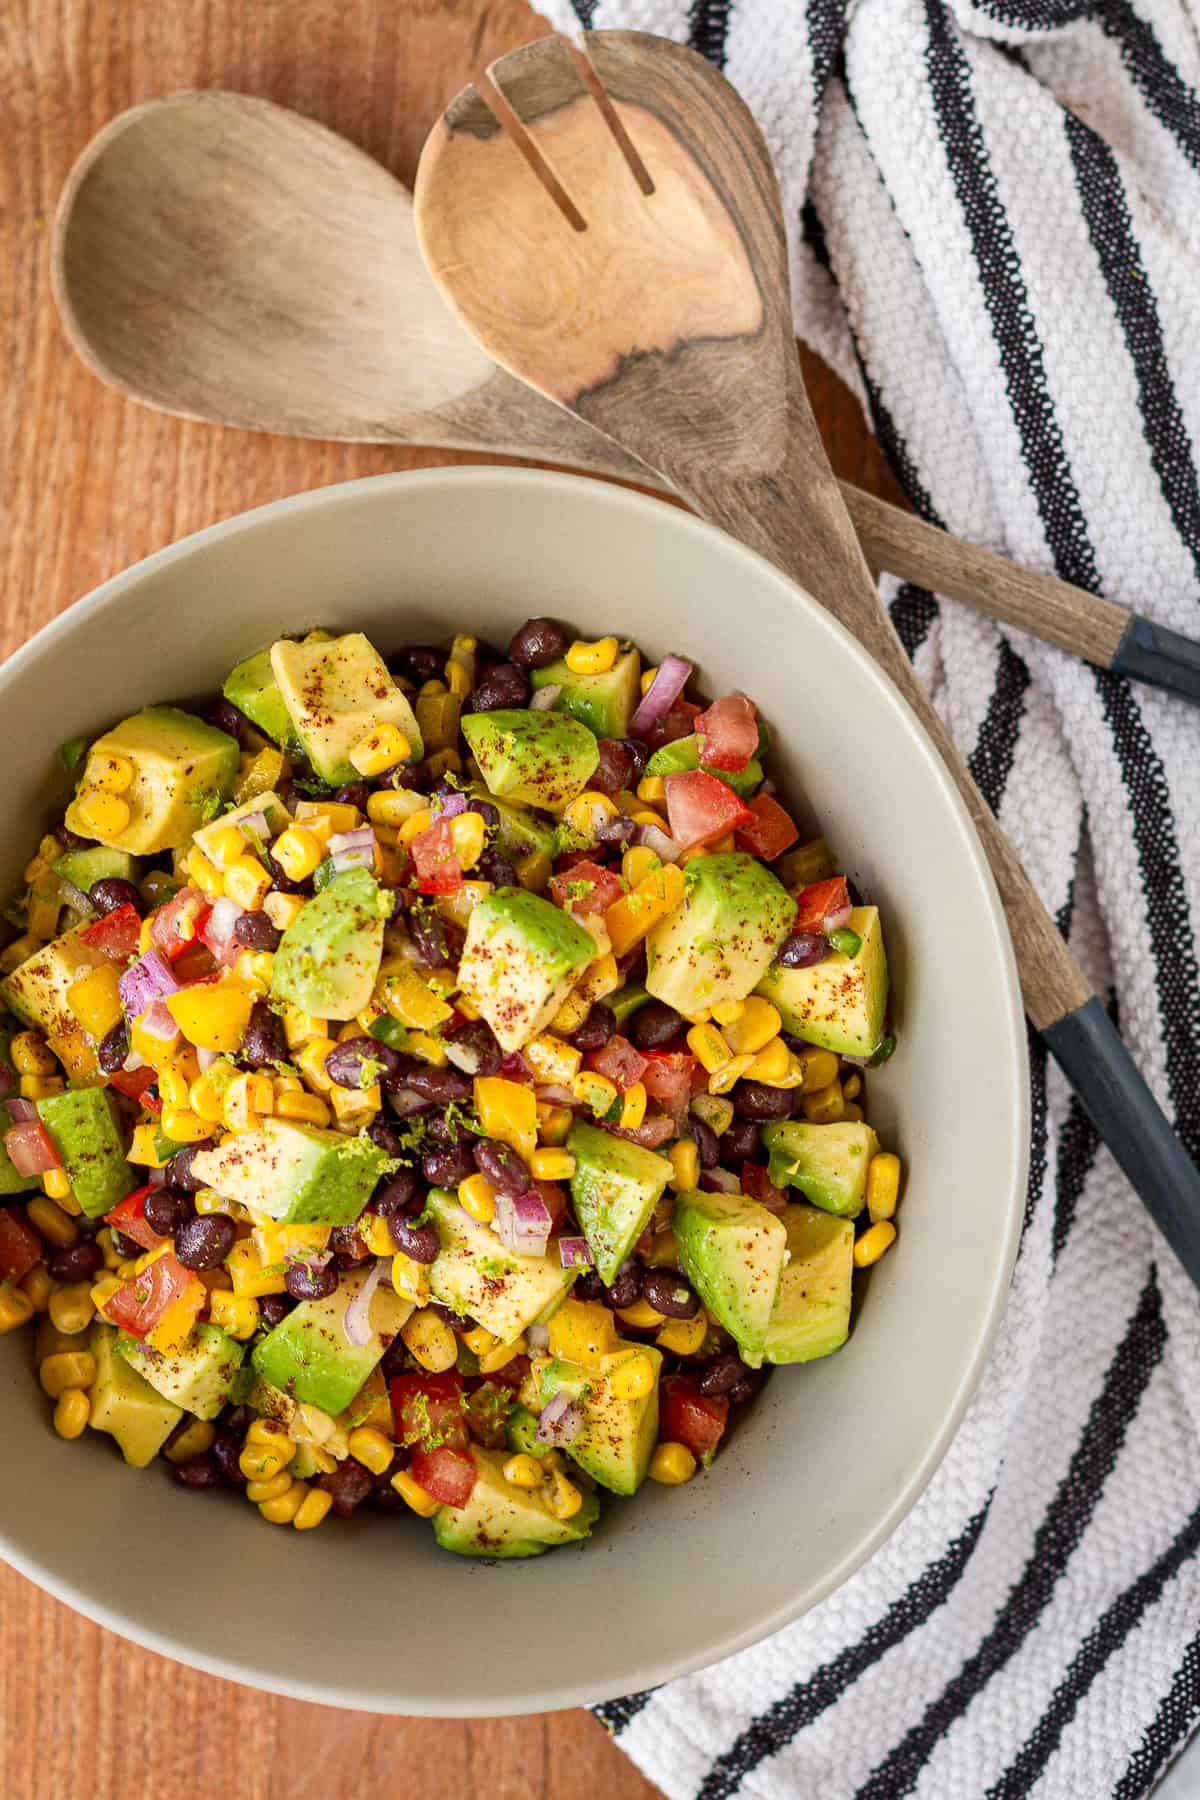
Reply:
x=621, y=248
x=224, y=258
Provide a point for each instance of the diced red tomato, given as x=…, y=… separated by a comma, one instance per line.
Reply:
x=728, y=733
x=438, y=868
x=585, y=888
x=428, y=1410
x=619, y=1061
x=31, y=1148
x=196, y=962
x=449, y=1475
x=116, y=935
x=667, y=1077
x=818, y=900
x=654, y=1130
x=759, y=1186
x=178, y=922
x=136, y=1084
x=686, y=1416
x=129, y=1218
x=702, y=807
x=770, y=832
x=140, y=1303
x=20, y=1245
x=679, y=722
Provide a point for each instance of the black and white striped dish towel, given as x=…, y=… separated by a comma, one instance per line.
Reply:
x=994, y=209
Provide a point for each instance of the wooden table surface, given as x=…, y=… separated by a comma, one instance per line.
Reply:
x=88, y=484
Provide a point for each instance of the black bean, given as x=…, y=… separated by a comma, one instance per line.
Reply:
x=497, y=868
x=449, y=1317
x=281, y=881
x=626, y=1289
x=420, y=662
x=348, y=1486
x=488, y=813
x=404, y=775
x=442, y=1129
x=654, y=1025
x=179, y=1169
x=348, y=1062
x=427, y=929
x=398, y=1193
x=167, y=1209
x=112, y=892
x=385, y=1137
x=537, y=643
x=198, y=1472
x=387, y=1500
x=125, y=1246
x=205, y=1241
x=588, y=1286
x=708, y=1145
x=640, y=754
x=226, y=1448
x=306, y=1282
x=446, y=1168
x=273, y=1309
x=71, y=840
x=670, y=1293
x=230, y=718
x=802, y=949
x=614, y=770
x=254, y=931
x=502, y=1166
x=347, y=1246
x=755, y=1100
x=505, y=685
x=596, y=1029
x=265, y=1041
x=747, y=1387
x=113, y=1048
x=722, y=1373
x=741, y=1143
x=418, y=1241
x=75, y=1262
x=477, y=1037
x=442, y=1086
x=355, y=793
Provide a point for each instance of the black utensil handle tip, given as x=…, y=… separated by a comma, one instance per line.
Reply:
x=1165, y=658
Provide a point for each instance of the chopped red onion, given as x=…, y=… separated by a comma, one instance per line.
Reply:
x=719, y=1181
x=156, y=1177
x=357, y=1322
x=654, y=838
x=574, y=1253
x=450, y=805
x=145, y=981
x=353, y=849
x=616, y=831
x=545, y=697
x=218, y=927
x=836, y=921
x=538, y=1338
x=513, y=1067
x=653, y=1131
x=561, y=1421
x=523, y=1225
x=670, y=679
x=133, y=1062
x=206, y=1058
x=255, y=825
x=405, y=1101
x=554, y=1094
x=157, y=1022
x=20, y=1110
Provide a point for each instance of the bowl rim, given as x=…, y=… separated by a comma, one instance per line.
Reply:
x=792, y=1604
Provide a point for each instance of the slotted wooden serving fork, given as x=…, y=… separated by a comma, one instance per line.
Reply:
x=607, y=226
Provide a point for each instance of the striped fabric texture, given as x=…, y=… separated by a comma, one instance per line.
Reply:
x=994, y=218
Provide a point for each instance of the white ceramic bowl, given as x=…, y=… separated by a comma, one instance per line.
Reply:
x=369, y=1614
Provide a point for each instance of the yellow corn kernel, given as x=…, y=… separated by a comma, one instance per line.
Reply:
x=685, y=1161
x=55, y=1185
x=110, y=773
x=819, y=1068
x=325, y=817
x=672, y=1465
x=173, y=1087
x=283, y=909
x=562, y=1497
x=552, y=1165
x=247, y=882
x=634, y=914
x=184, y=1127
x=391, y=807
x=71, y=1308
x=633, y=1106
x=30, y=1055
x=825, y=1106
x=587, y=812
x=582, y=1331
x=851, y=1085
x=468, y=834
x=16, y=1309
x=877, y=1239
x=600, y=978
x=430, y=1341
x=418, y=1498
x=224, y=845
x=206, y=1095
x=421, y=1044
x=298, y=852
x=731, y=1073
x=417, y=824
x=632, y=1379
x=523, y=1471
x=274, y=1487
x=40, y=1087
x=412, y=1001
x=477, y=1197
x=262, y=1462
x=270, y=1431
x=102, y=815
x=235, y=1313
x=597, y=658
x=276, y=1243
x=573, y=1011
x=52, y=1222
x=207, y=1201
x=107, y=1249
x=551, y=1059
x=851, y=1113
x=95, y=1001
x=286, y=1509
x=755, y=1026
x=554, y=1123
x=372, y=1228
x=104, y=1290
x=646, y=679
x=311, y=1062
x=301, y=1028
x=772, y=1065
x=355, y=1106
x=312, y=1510
x=507, y=1111
x=638, y=862
x=458, y=679
x=37, y=1286
x=192, y=1439
x=458, y=907
x=248, y=1274
x=499, y=1358
x=410, y=1279
x=72, y=1411
x=203, y=873
x=65, y=1369
x=641, y=1315
x=883, y=1185
x=596, y=1091
x=684, y=1337
x=709, y=1046
x=247, y=1098
x=371, y=1449
x=380, y=750
x=305, y=1109
x=651, y=788
x=479, y=1340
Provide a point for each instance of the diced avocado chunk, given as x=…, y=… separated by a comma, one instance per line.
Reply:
x=336, y=691
x=684, y=753
x=604, y=703
x=519, y=831
x=253, y=689
x=37, y=988
x=298, y=1174
x=197, y=1376
x=614, y=1190
x=617, y=1437
x=732, y=1251
x=328, y=960
x=500, y=1519
x=811, y=1317
x=542, y=758
x=475, y=1275
x=309, y=1356
x=828, y=1163
x=126, y=1406
x=840, y=1002
x=269, y=804
x=720, y=939
x=84, y=868
x=84, y=1132
x=521, y=957
x=182, y=771
x=10, y=1181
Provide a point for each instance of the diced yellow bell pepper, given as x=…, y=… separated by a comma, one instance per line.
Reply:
x=250, y=1275
x=410, y=1000
x=508, y=1112
x=583, y=1331
x=95, y=1000
x=633, y=915
x=212, y=1015
x=142, y=1151
x=175, y=1326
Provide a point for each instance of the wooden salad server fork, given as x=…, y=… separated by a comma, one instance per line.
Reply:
x=620, y=248
x=204, y=248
